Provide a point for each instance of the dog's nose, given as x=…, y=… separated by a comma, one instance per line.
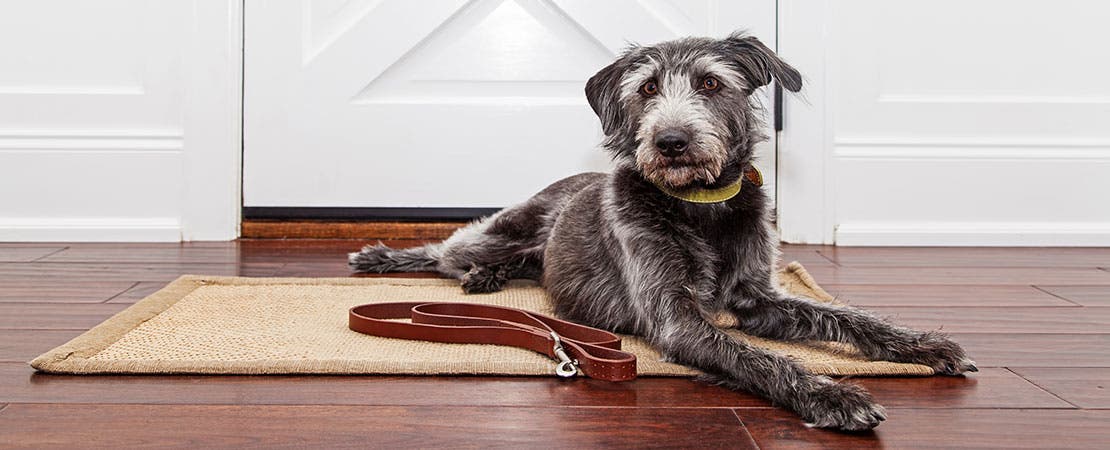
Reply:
x=672, y=143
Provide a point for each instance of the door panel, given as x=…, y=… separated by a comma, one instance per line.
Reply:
x=391, y=103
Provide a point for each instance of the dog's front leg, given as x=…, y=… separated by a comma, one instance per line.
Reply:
x=772, y=314
x=685, y=337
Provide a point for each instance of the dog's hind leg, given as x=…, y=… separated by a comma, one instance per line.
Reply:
x=483, y=255
x=380, y=259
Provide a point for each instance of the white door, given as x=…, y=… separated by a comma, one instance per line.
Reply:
x=445, y=103
x=990, y=126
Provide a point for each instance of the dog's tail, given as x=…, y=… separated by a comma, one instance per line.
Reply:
x=379, y=258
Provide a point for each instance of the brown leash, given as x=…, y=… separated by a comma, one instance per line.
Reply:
x=596, y=353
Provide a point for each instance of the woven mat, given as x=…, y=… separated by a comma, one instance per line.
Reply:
x=231, y=325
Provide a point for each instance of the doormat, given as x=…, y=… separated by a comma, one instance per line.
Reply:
x=236, y=325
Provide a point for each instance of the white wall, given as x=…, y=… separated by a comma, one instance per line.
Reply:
x=947, y=123
x=119, y=120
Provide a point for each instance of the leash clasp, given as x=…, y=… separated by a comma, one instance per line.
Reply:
x=567, y=367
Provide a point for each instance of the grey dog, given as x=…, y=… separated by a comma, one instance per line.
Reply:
x=622, y=252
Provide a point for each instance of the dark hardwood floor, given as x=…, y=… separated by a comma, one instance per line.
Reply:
x=1036, y=320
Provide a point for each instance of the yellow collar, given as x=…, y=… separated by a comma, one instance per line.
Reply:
x=717, y=195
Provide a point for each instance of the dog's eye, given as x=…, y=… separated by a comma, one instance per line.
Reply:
x=649, y=88
x=710, y=84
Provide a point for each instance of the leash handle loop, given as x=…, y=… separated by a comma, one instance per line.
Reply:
x=577, y=348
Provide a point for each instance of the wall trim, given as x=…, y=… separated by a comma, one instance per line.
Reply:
x=1008, y=234
x=109, y=229
x=96, y=140
x=989, y=99
x=888, y=148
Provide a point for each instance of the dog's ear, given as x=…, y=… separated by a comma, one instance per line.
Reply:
x=760, y=64
x=603, y=93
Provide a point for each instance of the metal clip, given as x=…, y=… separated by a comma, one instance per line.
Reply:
x=567, y=367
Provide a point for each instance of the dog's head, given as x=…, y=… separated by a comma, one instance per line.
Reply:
x=681, y=110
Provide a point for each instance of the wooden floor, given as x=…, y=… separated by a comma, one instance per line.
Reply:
x=1037, y=321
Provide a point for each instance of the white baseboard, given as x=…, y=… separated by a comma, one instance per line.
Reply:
x=111, y=229
x=992, y=234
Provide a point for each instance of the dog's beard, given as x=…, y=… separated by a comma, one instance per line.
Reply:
x=702, y=162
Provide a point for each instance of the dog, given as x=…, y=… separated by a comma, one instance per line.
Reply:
x=678, y=234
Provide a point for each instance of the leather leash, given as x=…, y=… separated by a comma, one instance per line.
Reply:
x=596, y=353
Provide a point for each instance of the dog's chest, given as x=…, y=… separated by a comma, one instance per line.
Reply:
x=741, y=245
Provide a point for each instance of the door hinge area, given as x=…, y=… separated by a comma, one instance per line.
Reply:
x=778, y=107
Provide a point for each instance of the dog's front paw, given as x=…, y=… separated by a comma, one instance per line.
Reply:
x=935, y=350
x=840, y=406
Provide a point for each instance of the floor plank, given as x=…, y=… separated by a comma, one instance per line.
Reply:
x=19, y=383
x=991, y=388
x=961, y=276
x=1036, y=321
x=808, y=255
x=1036, y=350
x=968, y=257
x=1002, y=319
x=943, y=296
x=940, y=428
x=26, y=254
x=55, y=316
x=1086, y=387
x=24, y=345
x=61, y=290
x=46, y=273
x=118, y=426
x=243, y=251
x=114, y=252
x=1083, y=295
x=138, y=292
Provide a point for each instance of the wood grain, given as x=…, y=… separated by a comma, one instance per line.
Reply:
x=992, y=388
x=1083, y=295
x=989, y=388
x=47, y=273
x=252, y=229
x=138, y=291
x=961, y=257
x=962, y=276
x=1002, y=320
x=55, y=316
x=808, y=255
x=1036, y=349
x=130, y=252
x=272, y=426
x=1085, y=387
x=1036, y=321
x=26, y=254
x=866, y=295
x=20, y=384
x=24, y=345
x=62, y=290
x=940, y=428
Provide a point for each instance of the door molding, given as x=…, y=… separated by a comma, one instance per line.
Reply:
x=805, y=207
x=213, y=123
